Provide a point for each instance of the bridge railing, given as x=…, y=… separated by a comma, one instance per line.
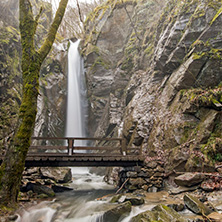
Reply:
x=114, y=147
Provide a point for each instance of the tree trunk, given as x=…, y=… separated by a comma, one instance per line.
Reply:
x=14, y=161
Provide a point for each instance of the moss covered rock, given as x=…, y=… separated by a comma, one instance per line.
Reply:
x=159, y=213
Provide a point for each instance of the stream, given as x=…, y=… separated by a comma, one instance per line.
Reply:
x=72, y=206
x=86, y=203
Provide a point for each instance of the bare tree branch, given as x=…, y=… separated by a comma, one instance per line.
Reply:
x=80, y=14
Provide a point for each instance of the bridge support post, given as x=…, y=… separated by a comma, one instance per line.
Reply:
x=123, y=147
x=70, y=146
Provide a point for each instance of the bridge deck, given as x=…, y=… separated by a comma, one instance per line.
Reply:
x=70, y=155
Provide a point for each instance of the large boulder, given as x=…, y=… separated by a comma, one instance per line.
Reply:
x=159, y=213
x=117, y=212
x=134, y=200
x=40, y=189
x=189, y=179
x=58, y=174
x=194, y=205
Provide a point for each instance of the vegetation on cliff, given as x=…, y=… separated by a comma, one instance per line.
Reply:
x=168, y=95
x=32, y=59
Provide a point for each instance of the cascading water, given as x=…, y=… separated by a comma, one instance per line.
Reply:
x=81, y=204
x=75, y=117
x=78, y=205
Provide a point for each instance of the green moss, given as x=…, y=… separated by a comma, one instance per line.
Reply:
x=219, y=12
x=101, y=62
x=213, y=149
x=204, y=97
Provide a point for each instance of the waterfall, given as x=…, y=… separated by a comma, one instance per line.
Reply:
x=75, y=117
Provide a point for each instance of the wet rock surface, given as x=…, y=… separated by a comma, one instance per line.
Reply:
x=196, y=206
x=117, y=212
x=189, y=179
x=60, y=175
x=44, y=182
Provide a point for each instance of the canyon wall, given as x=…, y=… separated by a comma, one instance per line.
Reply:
x=154, y=72
x=50, y=120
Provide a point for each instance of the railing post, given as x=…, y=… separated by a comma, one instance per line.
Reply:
x=70, y=146
x=141, y=148
x=123, y=147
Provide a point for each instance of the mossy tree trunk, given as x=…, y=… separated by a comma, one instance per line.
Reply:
x=32, y=59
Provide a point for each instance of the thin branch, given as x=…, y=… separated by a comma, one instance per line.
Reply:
x=37, y=18
x=122, y=186
x=131, y=21
x=205, y=174
x=79, y=11
x=46, y=47
x=39, y=14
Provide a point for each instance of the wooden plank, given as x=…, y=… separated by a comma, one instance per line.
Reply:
x=98, y=158
x=44, y=158
x=65, y=158
x=96, y=148
x=118, y=158
x=48, y=147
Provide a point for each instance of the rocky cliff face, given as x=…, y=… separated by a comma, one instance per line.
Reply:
x=154, y=77
x=52, y=98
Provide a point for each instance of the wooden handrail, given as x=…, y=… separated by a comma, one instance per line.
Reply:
x=76, y=138
x=70, y=148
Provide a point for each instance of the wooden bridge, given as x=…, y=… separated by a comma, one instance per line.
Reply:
x=112, y=152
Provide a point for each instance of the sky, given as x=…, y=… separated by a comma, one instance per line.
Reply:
x=70, y=2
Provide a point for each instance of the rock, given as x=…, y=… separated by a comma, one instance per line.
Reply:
x=146, y=173
x=31, y=170
x=177, y=207
x=131, y=174
x=194, y=205
x=189, y=179
x=151, y=164
x=115, y=199
x=147, y=216
x=159, y=213
x=153, y=189
x=145, y=187
x=58, y=174
x=216, y=217
x=135, y=201
x=13, y=217
x=42, y=196
x=40, y=189
x=159, y=169
x=137, y=182
x=208, y=185
x=122, y=199
x=132, y=188
x=167, y=214
x=60, y=189
x=180, y=189
x=117, y=212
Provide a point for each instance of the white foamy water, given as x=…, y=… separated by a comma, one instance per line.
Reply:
x=81, y=204
x=84, y=180
x=75, y=117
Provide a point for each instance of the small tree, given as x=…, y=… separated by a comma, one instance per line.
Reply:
x=32, y=59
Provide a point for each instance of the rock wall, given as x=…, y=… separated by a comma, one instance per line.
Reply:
x=52, y=98
x=154, y=77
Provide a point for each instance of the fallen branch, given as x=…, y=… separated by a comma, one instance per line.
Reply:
x=219, y=166
x=205, y=216
x=205, y=174
x=122, y=186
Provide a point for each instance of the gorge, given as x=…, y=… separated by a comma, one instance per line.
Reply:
x=153, y=76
